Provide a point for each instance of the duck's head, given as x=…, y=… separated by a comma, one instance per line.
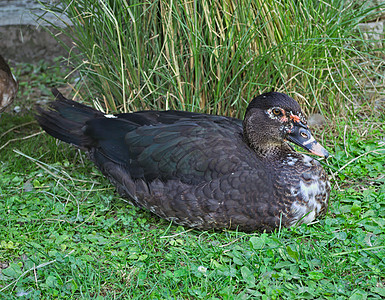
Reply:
x=274, y=118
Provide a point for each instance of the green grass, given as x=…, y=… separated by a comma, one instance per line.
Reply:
x=213, y=56
x=66, y=234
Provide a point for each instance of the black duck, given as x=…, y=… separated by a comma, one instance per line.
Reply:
x=204, y=171
x=8, y=85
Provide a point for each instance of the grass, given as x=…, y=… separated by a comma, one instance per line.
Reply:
x=213, y=56
x=66, y=234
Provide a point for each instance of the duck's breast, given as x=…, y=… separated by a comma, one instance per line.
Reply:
x=305, y=187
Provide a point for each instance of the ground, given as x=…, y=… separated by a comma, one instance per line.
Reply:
x=65, y=233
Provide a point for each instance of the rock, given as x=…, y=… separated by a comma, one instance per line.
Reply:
x=17, y=109
x=373, y=32
x=27, y=12
x=22, y=36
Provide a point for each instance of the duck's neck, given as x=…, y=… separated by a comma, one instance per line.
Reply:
x=264, y=146
x=270, y=151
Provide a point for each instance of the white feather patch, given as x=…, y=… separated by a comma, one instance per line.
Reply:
x=111, y=116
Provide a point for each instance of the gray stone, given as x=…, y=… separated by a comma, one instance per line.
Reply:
x=373, y=32
x=17, y=109
x=22, y=34
x=27, y=12
x=27, y=43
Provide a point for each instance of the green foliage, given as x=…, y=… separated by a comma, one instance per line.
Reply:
x=213, y=56
x=72, y=237
x=65, y=233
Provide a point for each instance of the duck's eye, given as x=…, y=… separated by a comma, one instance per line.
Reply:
x=276, y=111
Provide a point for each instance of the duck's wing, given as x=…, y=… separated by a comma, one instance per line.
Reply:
x=191, y=150
x=195, y=173
x=169, y=145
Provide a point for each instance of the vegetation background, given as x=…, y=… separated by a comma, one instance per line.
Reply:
x=68, y=235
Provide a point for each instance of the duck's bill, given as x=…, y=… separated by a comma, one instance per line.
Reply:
x=302, y=137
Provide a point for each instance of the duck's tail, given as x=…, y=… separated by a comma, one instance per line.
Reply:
x=65, y=120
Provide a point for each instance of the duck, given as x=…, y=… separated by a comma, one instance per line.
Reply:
x=8, y=85
x=204, y=171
